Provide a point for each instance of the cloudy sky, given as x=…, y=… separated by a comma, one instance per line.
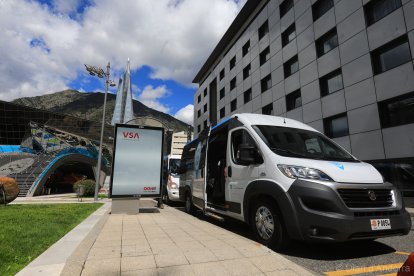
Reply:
x=45, y=43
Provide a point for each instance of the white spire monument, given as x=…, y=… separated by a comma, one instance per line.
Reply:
x=123, y=111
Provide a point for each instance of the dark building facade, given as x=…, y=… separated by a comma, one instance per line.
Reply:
x=56, y=149
x=15, y=119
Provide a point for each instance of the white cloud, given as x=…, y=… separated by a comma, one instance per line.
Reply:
x=65, y=6
x=186, y=114
x=174, y=37
x=150, y=96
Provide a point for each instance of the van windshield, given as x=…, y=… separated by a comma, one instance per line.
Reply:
x=300, y=143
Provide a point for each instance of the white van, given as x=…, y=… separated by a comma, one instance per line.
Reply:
x=288, y=181
x=171, y=179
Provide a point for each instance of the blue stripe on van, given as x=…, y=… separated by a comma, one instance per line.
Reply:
x=221, y=123
x=216, y=126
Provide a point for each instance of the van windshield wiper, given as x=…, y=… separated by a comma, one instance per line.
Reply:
x=285, y=152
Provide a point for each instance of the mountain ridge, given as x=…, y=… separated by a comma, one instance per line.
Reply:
x=89, y=105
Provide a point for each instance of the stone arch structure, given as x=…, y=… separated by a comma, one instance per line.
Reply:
x=59, y=161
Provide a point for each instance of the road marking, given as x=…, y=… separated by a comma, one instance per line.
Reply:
x=402, y=253
x=361, y=270
x=391, y=274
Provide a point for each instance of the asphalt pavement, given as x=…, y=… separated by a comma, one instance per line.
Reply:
x=359, y=256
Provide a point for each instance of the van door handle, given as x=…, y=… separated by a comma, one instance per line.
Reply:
x=229, y=171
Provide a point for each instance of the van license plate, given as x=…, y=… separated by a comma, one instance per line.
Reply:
x=380, y=224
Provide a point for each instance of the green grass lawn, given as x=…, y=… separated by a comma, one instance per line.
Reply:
x=26, y=231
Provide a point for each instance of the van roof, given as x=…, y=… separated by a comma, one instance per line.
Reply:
x=260, y=119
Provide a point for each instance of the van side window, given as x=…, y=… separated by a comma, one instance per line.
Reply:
x=238, y=138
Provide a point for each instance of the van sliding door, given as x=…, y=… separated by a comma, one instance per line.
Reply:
x=199, y=182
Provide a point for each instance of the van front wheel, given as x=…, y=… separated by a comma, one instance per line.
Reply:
x=267, y=225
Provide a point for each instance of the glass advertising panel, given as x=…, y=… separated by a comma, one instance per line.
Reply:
x=137, y=163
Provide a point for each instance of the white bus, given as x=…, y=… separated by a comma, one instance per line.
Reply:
x=171, y=179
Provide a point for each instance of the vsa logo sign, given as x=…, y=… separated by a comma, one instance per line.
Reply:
x=150, y=189
x=130, y=135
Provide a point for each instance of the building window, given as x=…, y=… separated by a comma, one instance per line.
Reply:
x=336, y=126
x=331, y=83
x=264, y=56
x=246, y=48
x=266, y=83
x=222, y=74
x=263, y=30
x=397, y=111
x=232, y=62
x=291, y=66
x=293, y=100
x=321, y=7
x=199, y=128
x=391, y=55
x=246, y=71
x=233, y=105
x=247, y=95
x=378, y=9
x=198, y=113
x=205, y=124
x=286, y=6
x=205, y=92
x=288, y=35
x=268, y=109
x=327, y=42
x=222, y=92
x=233, y=83
x=205, y=108
x=222, y=112
x=199, y=98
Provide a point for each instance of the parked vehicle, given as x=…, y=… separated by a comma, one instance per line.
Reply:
x=288, y=181
x=171, y=178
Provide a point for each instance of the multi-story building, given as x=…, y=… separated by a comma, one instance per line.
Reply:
x=178, y=141
x=344, y=67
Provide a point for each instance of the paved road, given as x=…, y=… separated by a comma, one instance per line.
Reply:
x=362, y=258
x=357, y=256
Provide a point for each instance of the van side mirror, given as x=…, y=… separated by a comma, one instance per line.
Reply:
x=247, y=155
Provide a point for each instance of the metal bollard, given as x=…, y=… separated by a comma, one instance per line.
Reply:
x=80, y=192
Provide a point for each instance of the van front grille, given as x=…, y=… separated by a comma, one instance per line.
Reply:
x=366, y=198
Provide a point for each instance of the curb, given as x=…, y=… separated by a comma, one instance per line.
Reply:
x=75, y=262
x=53, y=260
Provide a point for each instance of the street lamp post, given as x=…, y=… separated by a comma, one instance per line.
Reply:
x=99, y=72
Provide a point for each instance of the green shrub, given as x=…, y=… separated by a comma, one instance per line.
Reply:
x=89, y=186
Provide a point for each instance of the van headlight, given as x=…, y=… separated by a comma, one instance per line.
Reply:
x=303, y=172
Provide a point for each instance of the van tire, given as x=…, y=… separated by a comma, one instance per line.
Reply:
x=188, y=204
x=268, y=226
x=165, y=197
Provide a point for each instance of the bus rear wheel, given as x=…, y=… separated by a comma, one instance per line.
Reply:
x=189, y=208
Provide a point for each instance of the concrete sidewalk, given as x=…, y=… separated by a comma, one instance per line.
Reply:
x=172, y=242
